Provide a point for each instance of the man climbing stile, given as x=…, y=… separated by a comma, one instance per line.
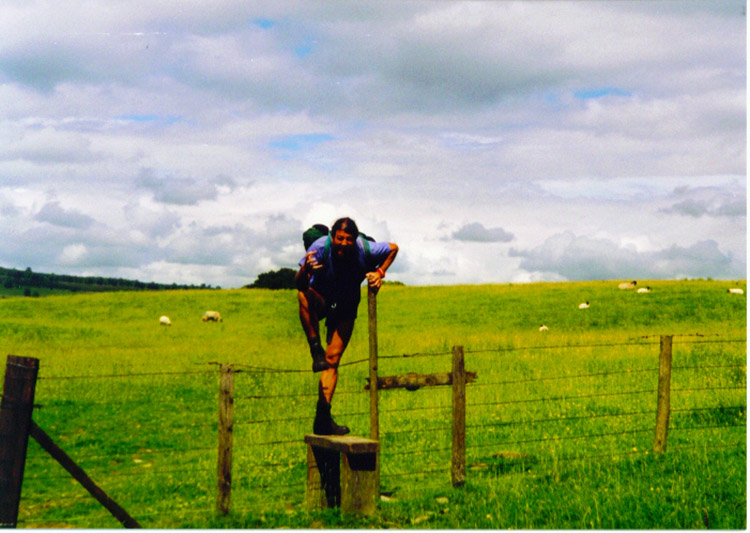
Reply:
x=328, y=282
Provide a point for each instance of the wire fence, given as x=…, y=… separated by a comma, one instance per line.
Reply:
x=159, y=429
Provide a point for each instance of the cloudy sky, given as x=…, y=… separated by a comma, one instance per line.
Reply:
x=193, y=142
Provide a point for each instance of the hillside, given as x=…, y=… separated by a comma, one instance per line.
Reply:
x=15, y=282
x=558, y=423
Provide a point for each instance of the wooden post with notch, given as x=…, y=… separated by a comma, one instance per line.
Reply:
x=458, y=458
x=663, y=401
x=15, y=422
x=226, y=427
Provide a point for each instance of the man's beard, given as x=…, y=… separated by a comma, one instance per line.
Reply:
x=349, y=254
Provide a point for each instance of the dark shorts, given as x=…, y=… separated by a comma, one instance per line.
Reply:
x=338, y=307
x=338, y=311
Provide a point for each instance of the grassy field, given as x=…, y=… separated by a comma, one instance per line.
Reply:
x=560, y=423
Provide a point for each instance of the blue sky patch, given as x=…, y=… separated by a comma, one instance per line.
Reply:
x=165, y=120
x=264, y=23
x=593, y=94
x=296, y=143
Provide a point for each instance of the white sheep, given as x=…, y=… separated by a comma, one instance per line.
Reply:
x=164, y=321
x=627, y=285
x=543, y=328
x=735, y=291
x=212, y=316
x=643, y=290
x=584, y=305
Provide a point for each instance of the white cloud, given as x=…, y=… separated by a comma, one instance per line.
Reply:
x=476, y=232
x=166, y=139
x=54, y=214
x=574, y=257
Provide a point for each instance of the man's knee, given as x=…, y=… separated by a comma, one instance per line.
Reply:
x=333, y=356
x=303, y=299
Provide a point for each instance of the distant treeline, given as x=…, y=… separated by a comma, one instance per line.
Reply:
x=284, y=279
x=11, y=278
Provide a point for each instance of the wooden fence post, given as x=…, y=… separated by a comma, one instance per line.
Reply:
x=226, y=426
x=372, y=315
x=15, y=421
x=663, y=405
x=458, y=458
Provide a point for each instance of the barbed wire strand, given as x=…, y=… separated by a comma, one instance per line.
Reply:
x=719, y=341
x=82, y=458
x=703, y=389
x=560, y=439
x=559, y=347
x=295, y=395
x=86, y=404
x=717, y=426
x=419, y=430
x=559, y=419
x=558, y=398
x=420, y=473
x=716, y=408
x=130, y=375
x=562, y=377
x=416, y=452
x=705, y=367
x=259, y=369
x=143, y=471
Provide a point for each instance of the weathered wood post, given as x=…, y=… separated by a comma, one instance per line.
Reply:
x=15, y=421
x=372, y=314
x=663, y=401
x=458, y=458
x=226, y=426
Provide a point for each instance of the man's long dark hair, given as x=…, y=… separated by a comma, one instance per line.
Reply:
x=347, y=225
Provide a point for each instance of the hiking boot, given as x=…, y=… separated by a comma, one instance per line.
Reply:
x=318, y=355
x=324, y=424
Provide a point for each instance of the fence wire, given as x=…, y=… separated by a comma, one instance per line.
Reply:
x=399, y=456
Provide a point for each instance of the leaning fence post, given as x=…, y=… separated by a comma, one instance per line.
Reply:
x=458, y=458
x=226, y=423
x=15, y=421
x=663, y=405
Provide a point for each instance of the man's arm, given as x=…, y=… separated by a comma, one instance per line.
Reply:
x=375, y=279
x=302, y=277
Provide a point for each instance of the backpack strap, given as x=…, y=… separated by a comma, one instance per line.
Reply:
x=361, y=238
x=365, y=244
x=327, y=248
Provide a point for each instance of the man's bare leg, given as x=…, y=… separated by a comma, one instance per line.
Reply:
x=311, y=306
x=338, y=339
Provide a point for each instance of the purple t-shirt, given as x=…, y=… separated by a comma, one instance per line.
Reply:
x=342, y=284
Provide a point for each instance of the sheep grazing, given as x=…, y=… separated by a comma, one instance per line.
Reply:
x=584, y=305
x=164, y=321
x=627, y=285
x=643, y=290
x=543, y=328
x=212, y=316
x=735, y=291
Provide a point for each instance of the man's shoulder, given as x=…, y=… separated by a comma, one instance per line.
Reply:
x=318, y=244
x=380, y=247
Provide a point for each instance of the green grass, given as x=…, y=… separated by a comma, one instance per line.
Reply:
x=560, y=424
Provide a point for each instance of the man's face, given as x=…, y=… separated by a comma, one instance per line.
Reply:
x=343, y=244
